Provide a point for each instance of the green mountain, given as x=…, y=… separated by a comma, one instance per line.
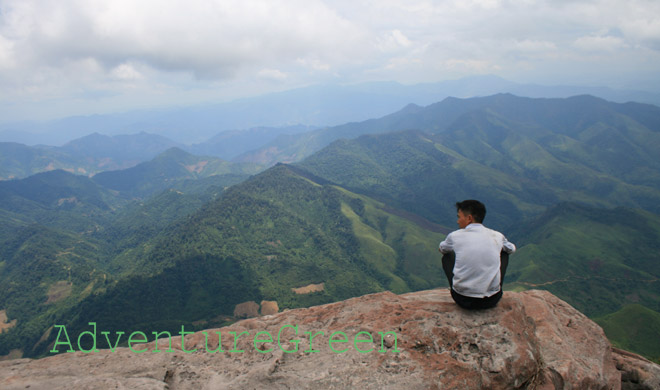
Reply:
x=19, y=161
x=601, y=125
x=232, y=143
x=173, y=168
x=418, y=172
x=88, y=155
x=573, y=182
x=282, y=222
x=542, y=139
x=58, y=199
x=44, y=272
x=634, y=328
x=119, y=151
x=596, y=259
x=59, y=234
x=263, y=238
x=576, y=187
x=410, y=170
x=140, y=221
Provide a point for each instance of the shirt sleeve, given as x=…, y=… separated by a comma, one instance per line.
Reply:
x=508, y=246
x=447, y=245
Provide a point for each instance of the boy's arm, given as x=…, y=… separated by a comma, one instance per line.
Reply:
x=447, y=245
x=508, y=246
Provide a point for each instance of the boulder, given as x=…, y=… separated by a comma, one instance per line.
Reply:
x=419, y=340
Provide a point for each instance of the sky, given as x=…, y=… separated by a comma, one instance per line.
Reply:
x=78, y=57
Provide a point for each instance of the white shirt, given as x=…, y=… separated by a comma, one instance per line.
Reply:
x=477, y=267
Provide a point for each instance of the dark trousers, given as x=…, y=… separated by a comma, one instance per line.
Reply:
x=448, y=261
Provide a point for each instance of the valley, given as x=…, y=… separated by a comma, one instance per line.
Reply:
x=180, y=239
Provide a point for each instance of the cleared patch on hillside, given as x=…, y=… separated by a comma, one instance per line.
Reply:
x=310, y=288
x=375, y=250
x=63, y=201
x=247, y=309
x=44, y=338
x=269, y=307
x=196, y=168
x=13, y=354
x=58, y=291
x=420, y=221
x=4, y=324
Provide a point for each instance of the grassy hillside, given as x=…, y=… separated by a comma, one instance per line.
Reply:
x=277, y=220
x=84, y=156
x=634, y=328
x=579, y=224
x=232, y=143
x=596, y=259
x=44, y=272
x=261, y=239
x=171, y=169
x=58, y=237
x=140, y=221
x=58, y=199
x=573, y=182
x=19, y=161
x=517, y=168
x=601, y=124
x=407, y=170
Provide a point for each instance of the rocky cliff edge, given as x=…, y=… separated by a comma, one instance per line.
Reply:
x=420, y=340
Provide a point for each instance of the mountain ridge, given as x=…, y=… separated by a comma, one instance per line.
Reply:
x=360, y=215
x=436, y=118
x=316, y=105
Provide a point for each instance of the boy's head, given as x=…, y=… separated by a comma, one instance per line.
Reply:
x=470, y=211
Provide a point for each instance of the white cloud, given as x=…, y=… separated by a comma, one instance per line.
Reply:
x=211, y=39
x=55, y=49
x=126, y=72
x=475, y=66
x=272, y=74
x=313, y=64
x=534, y=46
x=6, y=53
x=599, y=43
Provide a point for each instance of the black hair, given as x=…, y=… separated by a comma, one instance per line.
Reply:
x=474, y=208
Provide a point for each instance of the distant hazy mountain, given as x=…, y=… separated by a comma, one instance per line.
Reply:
x=119, y=151
x=264, y=237
x=171, y=169
x=19, y=161
x=84, y=156
x=232, y=143
x=321, y=105
x=610, y=137
x=57, y=199
x=574, y=182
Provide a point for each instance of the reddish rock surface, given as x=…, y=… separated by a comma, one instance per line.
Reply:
x=531, y=340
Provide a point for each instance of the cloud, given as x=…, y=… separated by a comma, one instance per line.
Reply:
x=55, y=49
x=600, y=43
x=272, y=74
x=6, y=56
x=126, y=72
x=210, y=39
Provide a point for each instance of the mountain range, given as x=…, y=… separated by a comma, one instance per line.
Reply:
x=316, y=105
x=88, y=155
x=359, y=208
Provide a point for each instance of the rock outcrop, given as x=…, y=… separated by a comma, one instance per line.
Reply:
x=420, y=340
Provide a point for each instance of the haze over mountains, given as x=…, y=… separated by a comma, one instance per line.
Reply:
x=360, y=207
x=319, y=106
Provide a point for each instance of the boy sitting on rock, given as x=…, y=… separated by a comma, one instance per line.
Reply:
x=475, y=258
